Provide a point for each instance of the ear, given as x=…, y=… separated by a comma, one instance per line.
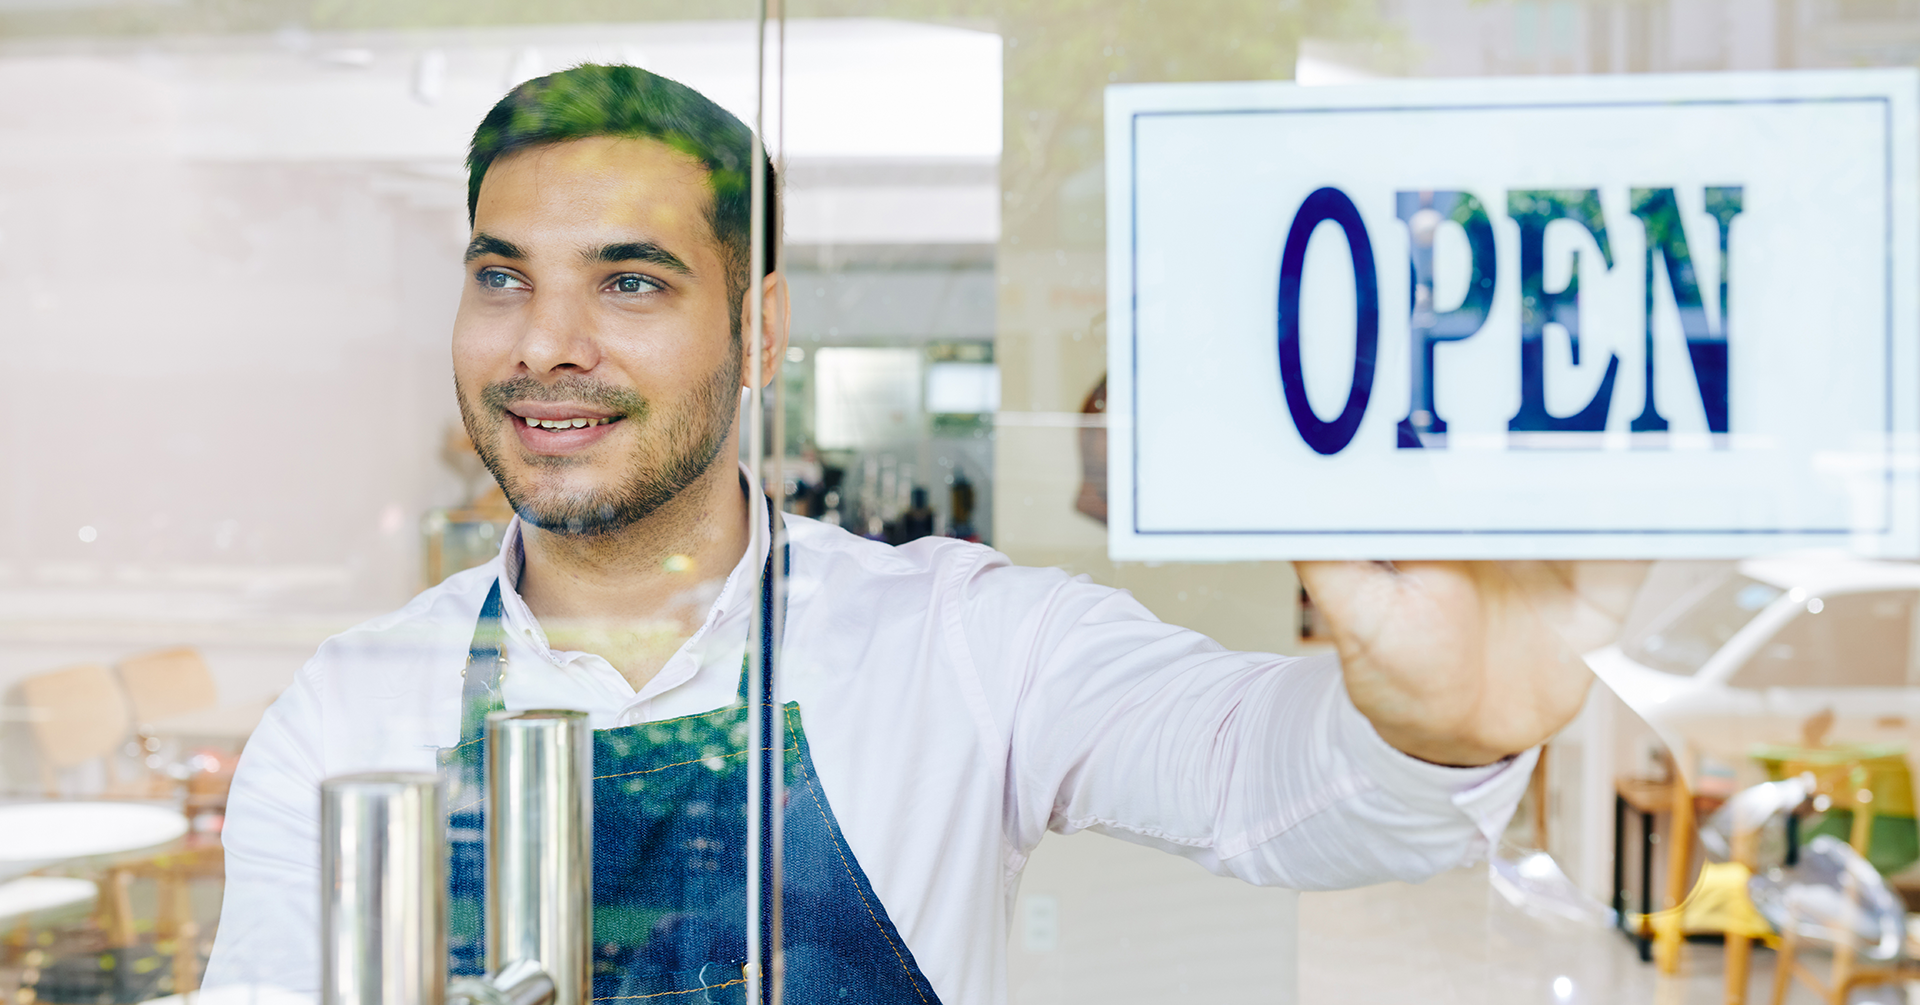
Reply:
x=777, y=318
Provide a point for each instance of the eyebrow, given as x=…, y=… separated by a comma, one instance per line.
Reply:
x=639, y=251
x=630, y=251
x=487, y=244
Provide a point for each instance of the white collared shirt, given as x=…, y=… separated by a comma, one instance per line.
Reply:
x=957, y=708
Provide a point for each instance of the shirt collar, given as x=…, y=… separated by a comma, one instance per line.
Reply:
x=721, y=636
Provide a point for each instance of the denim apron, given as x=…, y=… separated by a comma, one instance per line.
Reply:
x=669, y=857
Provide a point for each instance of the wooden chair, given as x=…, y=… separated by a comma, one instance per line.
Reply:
x=79, y=714
x=1847, y=788
x=1681, y=834
x=176, y=706
x=82, y=714
x=167, y=682
x=1718, y=902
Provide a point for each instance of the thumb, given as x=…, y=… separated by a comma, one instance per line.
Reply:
x=1338, y=584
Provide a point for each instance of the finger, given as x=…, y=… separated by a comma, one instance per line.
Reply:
x=1337, y=584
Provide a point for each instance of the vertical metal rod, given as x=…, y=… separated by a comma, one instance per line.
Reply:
x=776, y=615
x=540, y=847
x=383, y=890
x=757, y=975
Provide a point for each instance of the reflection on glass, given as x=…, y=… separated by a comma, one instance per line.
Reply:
x=1697, y=627
x=1750, y=812
x=1532, y=881
x=1833, y=896
x=1849, y=640
x=1782, y=691
x=269, y=135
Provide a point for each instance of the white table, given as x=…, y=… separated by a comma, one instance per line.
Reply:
x=38, y=897
x=238, y=994
x=38, y=833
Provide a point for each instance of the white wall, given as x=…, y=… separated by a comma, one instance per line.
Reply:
x=1100, y=920
x=237, y=374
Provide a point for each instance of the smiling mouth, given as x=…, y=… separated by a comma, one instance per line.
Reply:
x=574, y=423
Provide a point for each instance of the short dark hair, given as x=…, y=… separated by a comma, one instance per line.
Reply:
x=597, y=100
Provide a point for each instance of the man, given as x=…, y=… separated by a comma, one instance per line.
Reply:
x=945, y=709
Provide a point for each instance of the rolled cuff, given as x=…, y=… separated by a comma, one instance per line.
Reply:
x=1485, y=795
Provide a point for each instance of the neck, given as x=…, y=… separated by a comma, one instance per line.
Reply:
x=651, y=572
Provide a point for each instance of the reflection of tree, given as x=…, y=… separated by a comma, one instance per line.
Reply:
x=1060, y=57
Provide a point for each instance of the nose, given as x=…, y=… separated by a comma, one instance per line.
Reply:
x=559, y=336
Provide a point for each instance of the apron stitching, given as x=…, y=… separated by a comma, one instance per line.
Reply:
x=644, y=771
x=677, y=764
x=662, y=994
x=811, y=793
x=657, y=722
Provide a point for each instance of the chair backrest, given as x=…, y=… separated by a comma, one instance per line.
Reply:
x=167, y=682
x=79, y=713
x=1834, y=896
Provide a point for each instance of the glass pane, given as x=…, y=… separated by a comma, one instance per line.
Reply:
x=1602, y=886
x=271, y=455
x=1840, y=640
x=1688, y=635
x=239, y=237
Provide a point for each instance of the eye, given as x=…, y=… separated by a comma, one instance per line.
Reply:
x=633, y=283
x=496, y=279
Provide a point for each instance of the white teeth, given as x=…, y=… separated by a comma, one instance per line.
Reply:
x=565, y=423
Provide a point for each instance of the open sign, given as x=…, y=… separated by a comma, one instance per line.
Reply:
x=1643, y=316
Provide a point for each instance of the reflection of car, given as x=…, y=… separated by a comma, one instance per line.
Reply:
x=1751, y=655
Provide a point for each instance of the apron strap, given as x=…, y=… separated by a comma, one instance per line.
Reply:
x=766, y=619
x=486, y=655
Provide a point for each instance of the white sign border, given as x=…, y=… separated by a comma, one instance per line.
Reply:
x=1898, y=88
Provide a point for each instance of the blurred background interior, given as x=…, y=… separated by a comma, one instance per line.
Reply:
x=230, y=238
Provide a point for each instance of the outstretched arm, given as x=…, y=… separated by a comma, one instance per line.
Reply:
x=1254, y=765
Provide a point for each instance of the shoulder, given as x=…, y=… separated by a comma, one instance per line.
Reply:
x=949, y=566
x=931, y=569
x=371, y=697
x=405, y=649
x=828, y=548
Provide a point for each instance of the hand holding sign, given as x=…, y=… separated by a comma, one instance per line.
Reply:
x=1464, y=663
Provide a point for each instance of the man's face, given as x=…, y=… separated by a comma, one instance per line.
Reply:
x=592, y=353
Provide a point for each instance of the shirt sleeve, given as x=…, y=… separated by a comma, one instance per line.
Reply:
x=1253, y=765
x=270, y=915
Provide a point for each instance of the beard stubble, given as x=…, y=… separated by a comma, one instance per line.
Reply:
x=661, y=466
